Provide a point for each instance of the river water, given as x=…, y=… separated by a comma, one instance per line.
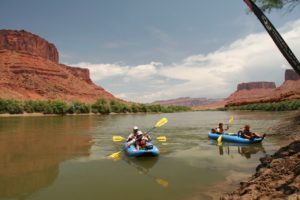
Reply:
x=54, y=157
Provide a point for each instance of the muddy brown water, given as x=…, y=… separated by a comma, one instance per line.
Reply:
x=58, y=157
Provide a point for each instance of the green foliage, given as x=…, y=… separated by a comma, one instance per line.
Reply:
x=55, y=107
x=275, y=106
x=78, y=107
x=119, y=107
x=134, y=108
x=101, y=106
x=3, y=106
x=268, y=5
x=10, y=106
x=34, y=106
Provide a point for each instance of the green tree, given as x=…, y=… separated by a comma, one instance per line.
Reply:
x=134, y=108
x=268, y=5
x=101, y=106
x=59, y=107
x=78, y=107
x=119, y=107
x=14, y=107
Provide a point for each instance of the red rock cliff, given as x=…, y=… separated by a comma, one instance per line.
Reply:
x=187, y=101
x=290, y=74
x=29, y=69
x=256, y=85
x=28, y=43
x=251, y=92
x=259, y=92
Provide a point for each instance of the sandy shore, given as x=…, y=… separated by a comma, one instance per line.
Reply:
x=277, y=177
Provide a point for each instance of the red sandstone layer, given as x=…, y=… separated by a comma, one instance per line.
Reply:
x=29, y=69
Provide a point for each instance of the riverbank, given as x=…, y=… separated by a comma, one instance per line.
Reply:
x=277, y=177
x=74, y=114
x=101, y=106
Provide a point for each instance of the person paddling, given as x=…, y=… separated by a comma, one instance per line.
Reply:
x=133, y=136
x=220, y=129
x=138, y=138
x=246, y=133
x=142, y=139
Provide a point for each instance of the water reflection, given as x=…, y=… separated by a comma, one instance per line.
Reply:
x=143, y=166
x=244, y=150
x=29, y=160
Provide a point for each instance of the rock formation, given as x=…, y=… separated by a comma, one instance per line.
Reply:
x=30, y=69
x=290, y=89
x=260, y=92
x=256, y=85
x=277, y=177
x=186, y=101
x=28, y=43
x=251, y=92
x=291, y=75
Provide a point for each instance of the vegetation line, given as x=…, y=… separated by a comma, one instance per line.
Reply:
x=101, y=106
x=274, y=106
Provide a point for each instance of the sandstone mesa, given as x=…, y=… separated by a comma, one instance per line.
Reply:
x=30, y=70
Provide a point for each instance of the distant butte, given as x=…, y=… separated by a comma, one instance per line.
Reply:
x=30, y=70
x=263, y=92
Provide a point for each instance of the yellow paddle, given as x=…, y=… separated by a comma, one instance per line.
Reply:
x=162, y=138
x=219, y=140
x=220, y=137
x=117, y=138
x=117, y=155
x=231, y=120
x=162, y=182
x=160, y=123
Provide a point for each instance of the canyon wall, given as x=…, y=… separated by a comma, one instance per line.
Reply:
x=30, y=69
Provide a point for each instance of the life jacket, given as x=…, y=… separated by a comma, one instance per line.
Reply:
x=220, y=130
x=247, y=133
x=142, y=140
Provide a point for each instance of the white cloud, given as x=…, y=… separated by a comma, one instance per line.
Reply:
x=143, y=71
x=103, y=71
x=252, y=58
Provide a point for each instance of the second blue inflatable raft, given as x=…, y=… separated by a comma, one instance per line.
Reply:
x=234, y=138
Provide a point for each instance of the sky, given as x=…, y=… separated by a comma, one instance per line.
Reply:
x=143, y=51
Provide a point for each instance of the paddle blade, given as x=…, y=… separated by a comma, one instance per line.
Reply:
x=231, y=120
x=161, y=122
x=219, y=140
x=162, y=138
x=115, y=156
x=117, y=138
x=162, y=182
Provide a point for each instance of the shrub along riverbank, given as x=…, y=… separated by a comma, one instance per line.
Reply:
x=274, y=106
x=101, y=106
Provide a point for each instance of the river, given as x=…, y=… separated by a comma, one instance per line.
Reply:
x=55, y=157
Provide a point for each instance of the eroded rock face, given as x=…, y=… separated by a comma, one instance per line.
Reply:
x=29, y=69
x=277, y=177
x=251, y=92
x=256, y=85
x=290, y=74
x=81, y=73
x=187, y=101
x=25, y=42
x=263, y=92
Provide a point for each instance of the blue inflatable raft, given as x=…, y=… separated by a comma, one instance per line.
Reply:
x=151, y=150
x=234, y=138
